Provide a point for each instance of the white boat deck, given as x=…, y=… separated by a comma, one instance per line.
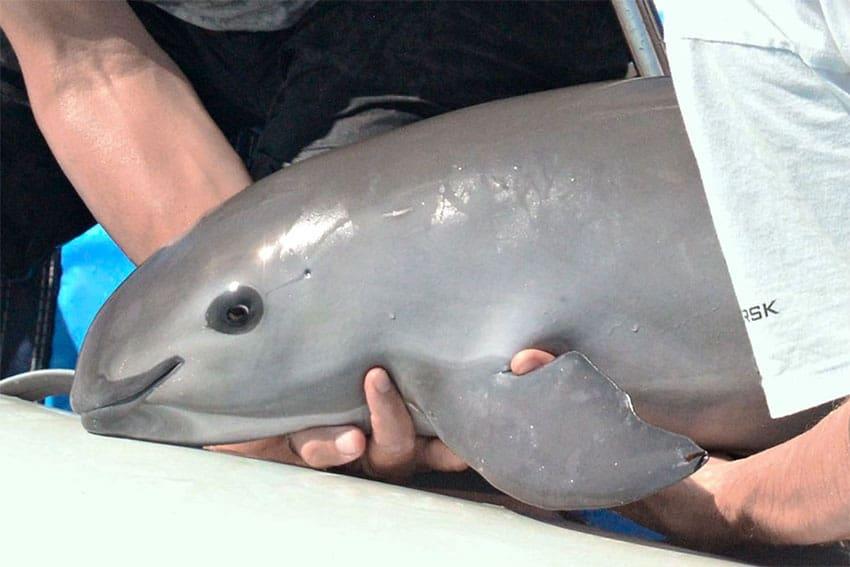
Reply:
x=68, y=497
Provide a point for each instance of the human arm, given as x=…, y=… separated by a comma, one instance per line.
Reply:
x=122, y=120
x=137, y=144
x=796, y=493
x=768, y=123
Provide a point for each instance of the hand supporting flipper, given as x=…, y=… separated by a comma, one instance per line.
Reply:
x=392, y=452
x=562, y=437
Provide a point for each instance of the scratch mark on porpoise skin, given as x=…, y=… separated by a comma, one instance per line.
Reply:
x=397, y=213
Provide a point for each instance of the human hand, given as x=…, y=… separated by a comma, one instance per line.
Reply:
x=688, y=512
x=393, y=452
x=691, y=513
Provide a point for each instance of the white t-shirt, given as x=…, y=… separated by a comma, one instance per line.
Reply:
x=764, y=89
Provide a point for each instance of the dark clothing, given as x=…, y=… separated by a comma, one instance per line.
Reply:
x=233, y=15
x=344, y=72
x=27, y=316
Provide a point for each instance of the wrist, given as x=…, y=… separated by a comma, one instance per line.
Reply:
x=734, y=488
x=796, y=493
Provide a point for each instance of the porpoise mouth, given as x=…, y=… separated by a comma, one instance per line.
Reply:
x=97, y=392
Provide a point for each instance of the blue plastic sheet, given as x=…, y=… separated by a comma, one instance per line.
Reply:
x=92, y=268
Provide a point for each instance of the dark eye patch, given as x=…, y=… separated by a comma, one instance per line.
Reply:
x=235, y=311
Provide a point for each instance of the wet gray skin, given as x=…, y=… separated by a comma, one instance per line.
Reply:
x=570, y=220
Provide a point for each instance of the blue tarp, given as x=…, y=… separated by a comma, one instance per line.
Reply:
x=92, y=267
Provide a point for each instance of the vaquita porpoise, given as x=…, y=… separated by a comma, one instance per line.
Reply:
x=572, y=221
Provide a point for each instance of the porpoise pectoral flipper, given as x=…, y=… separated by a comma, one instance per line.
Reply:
x=561, y=437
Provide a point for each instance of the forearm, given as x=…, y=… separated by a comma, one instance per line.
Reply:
x=797, y=492
x=123, y=122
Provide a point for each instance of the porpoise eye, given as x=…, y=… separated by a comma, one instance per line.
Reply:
x=235, y=311
x=238, y=314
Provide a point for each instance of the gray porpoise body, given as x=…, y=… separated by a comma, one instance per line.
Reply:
x=571, y=220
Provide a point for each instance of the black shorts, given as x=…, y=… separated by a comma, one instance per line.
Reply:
x=345, y=72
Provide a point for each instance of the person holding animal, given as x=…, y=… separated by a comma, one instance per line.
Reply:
x=143, y=103
x=88, y=107
x=764, y=88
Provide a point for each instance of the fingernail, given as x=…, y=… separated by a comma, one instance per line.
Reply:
x=382, y=382
x=346, y=443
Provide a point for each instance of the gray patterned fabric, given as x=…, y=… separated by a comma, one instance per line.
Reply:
x=237, y=15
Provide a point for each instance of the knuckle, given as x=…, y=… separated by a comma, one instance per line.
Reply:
x=399, y=450
x=405, y=449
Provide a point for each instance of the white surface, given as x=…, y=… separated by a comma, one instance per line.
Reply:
x=764, y=88
x=73, y=498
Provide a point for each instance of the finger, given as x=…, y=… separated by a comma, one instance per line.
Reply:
x=269, y=449
x=325, y=447
x=433, y=455
x=722, y=457
x=530, y=359
x=392, y=446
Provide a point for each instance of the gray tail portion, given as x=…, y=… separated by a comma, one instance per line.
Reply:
x=36, y=385
x=562, y=437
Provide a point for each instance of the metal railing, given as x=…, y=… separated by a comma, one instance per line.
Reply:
x=641, y=26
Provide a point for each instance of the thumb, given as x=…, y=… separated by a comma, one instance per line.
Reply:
x=530, y=359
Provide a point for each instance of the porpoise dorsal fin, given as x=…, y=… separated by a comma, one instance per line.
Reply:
x=562, y=437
